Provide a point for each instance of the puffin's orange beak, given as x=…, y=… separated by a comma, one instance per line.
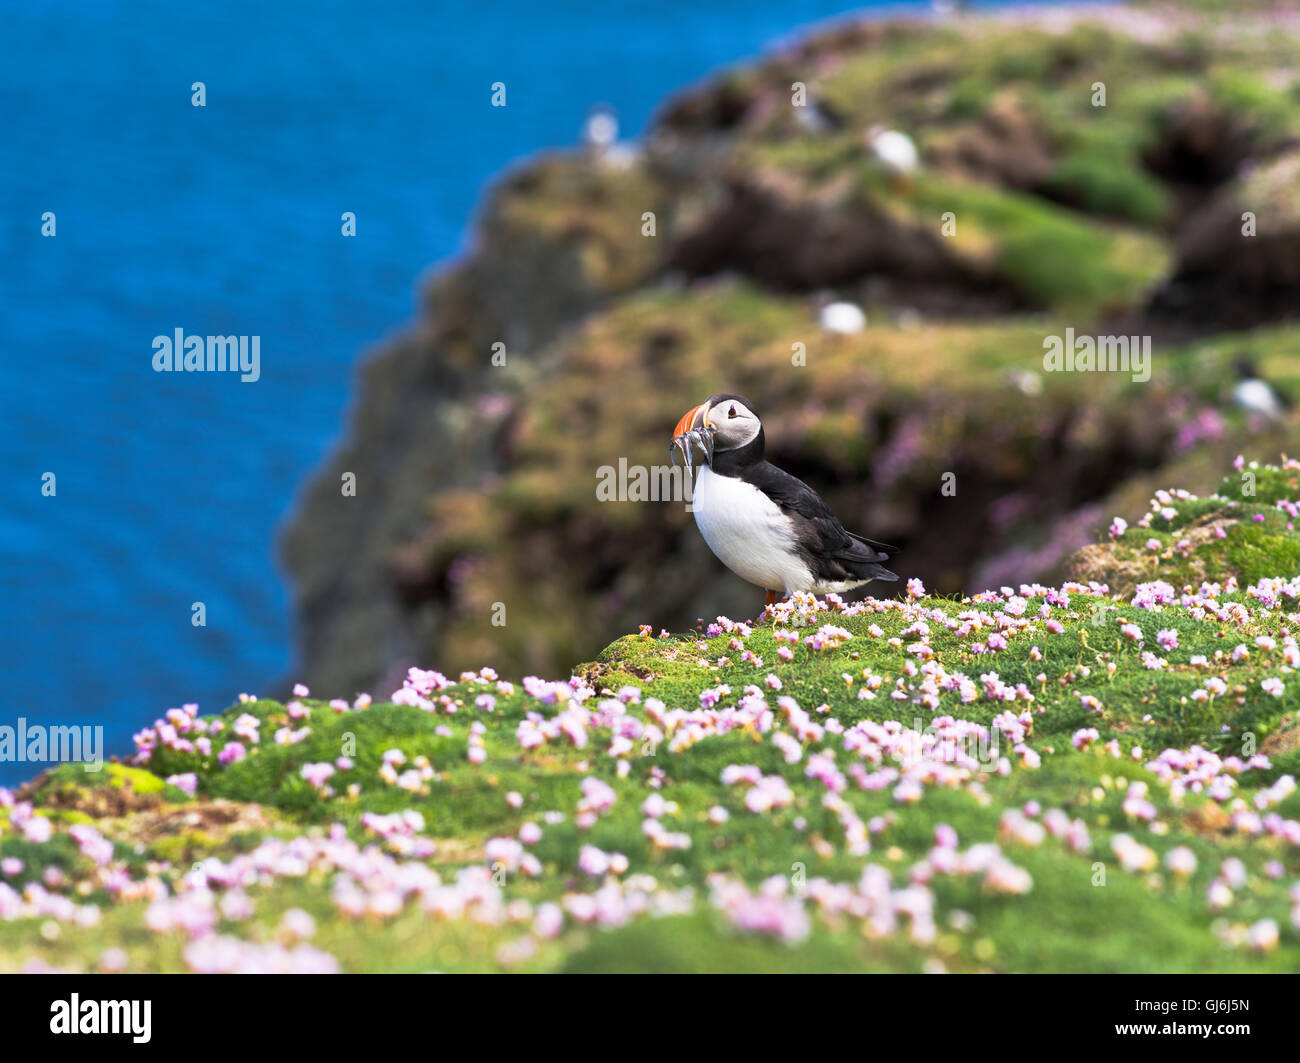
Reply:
x=692, y=431
x=689, y=421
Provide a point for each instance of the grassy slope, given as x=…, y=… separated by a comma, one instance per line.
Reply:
x=1087, y=233
x=1092, y=238
x=1034, y=904
x=1064, y=216
x=837, y=418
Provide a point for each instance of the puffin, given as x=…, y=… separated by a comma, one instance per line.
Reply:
x=1256, y=395
x=770, y=528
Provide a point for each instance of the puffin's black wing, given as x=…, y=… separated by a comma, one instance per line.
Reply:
x=833, y=553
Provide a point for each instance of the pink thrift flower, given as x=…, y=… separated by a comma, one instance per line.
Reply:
x=189, y=782
x=38, y=829
x=1263, y=936
x=297, y=924
x=317, y=774
x=1181, y=860
x=549, y=920
x=231, y=752
x=592, y=861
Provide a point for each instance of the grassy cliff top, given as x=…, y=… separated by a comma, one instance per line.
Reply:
x=1083, y=778
x=1084, y=169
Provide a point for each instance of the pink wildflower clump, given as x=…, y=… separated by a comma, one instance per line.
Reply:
x=1084, y=737
x=784, y=918
x=597, y=797
x=189, y=782
x=401, y=832
x=317, y=774
x=231, y=752
x=828, y=637
x=220, y=954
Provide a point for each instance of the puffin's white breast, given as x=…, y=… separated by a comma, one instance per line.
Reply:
x=749, y=533
x=1256, y=396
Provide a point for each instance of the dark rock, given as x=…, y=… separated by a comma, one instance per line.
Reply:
x=1231, y=279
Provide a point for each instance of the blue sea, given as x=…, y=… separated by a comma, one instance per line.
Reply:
x=171, y=489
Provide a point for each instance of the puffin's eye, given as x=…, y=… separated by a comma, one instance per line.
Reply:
x=731, y=412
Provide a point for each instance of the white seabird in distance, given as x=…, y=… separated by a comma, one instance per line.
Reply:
x=895, y=153
x=600, y=138
x=842, y=317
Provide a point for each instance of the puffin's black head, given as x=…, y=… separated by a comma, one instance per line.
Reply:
x=725, y=423
x=736, y=423
x=1244, y=367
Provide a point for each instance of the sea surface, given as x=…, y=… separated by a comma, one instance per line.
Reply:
x=171, y=489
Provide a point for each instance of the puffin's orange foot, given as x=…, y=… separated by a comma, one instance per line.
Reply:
x=771, y=599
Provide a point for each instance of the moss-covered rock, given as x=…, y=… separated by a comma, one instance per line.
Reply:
x=1239, y=255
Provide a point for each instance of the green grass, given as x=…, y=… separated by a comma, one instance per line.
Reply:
x=1088, y=240
x=1088, y=675
x=1052, y=256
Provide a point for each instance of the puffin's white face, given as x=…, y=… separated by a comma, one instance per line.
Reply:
x=724, y=422
x=735, y=422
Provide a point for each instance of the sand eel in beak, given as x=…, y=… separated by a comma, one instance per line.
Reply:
x=762, y=523
x=693, y=430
